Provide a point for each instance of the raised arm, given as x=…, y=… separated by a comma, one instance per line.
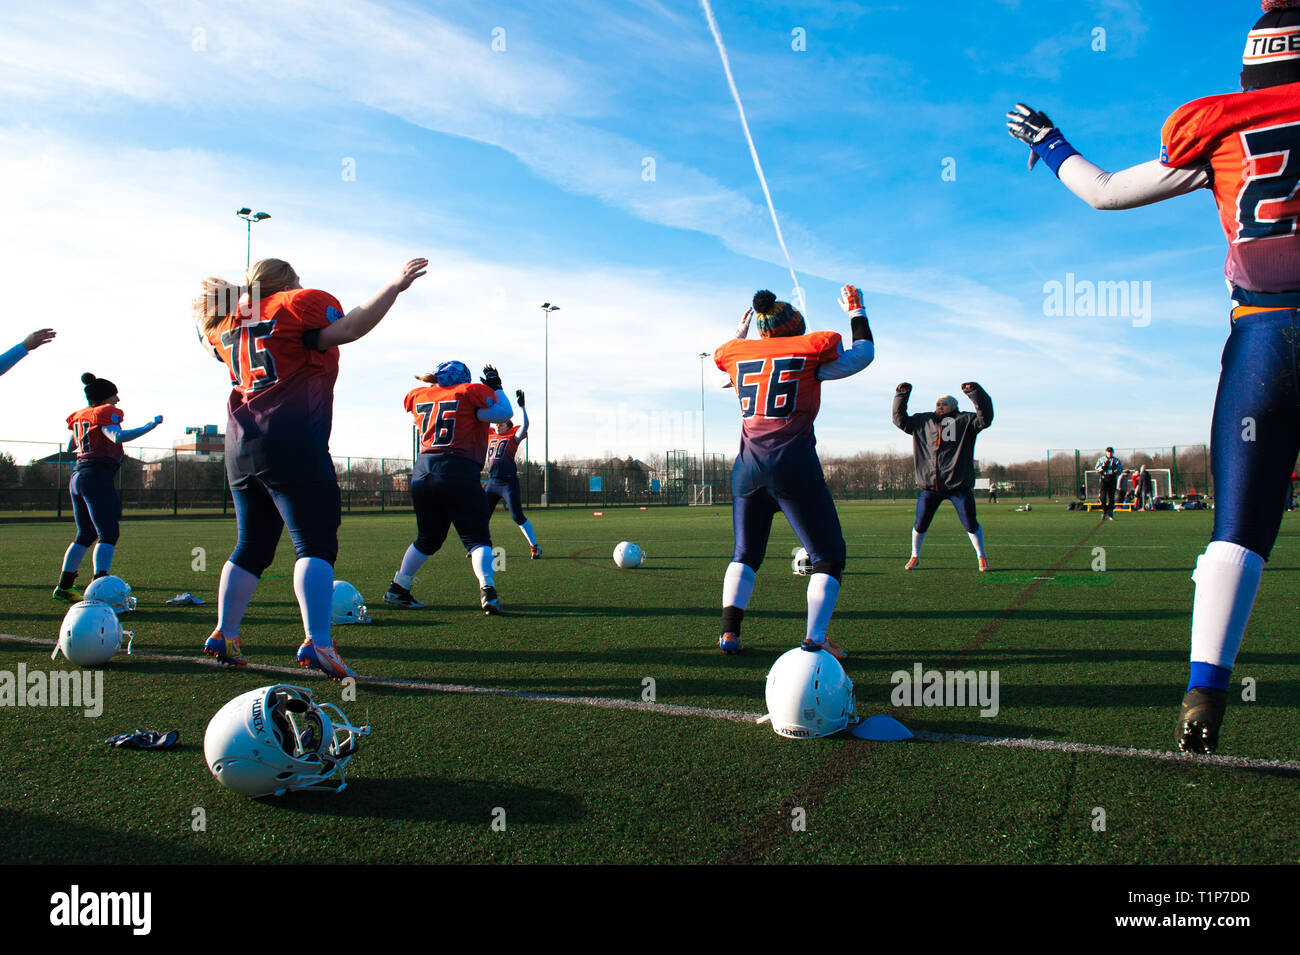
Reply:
x=16, y=354
x=499, y=409
x=1138, y=185
x=362, y=319
x=982, y=402
x=902, y=421
x=860, y=355
x=116, y=433
x=523, y=428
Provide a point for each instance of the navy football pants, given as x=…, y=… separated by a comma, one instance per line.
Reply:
x=1256, y=431
x=505, y=489
x=812, y=517
x=96, y=506
x=312, y=511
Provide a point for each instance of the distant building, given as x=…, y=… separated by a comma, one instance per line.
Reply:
x=205, y=442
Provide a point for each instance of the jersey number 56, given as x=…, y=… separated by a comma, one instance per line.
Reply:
x=760, y=385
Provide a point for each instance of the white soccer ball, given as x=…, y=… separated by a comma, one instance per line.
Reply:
x=802, y=563
x=90, y=634
x=628, y=555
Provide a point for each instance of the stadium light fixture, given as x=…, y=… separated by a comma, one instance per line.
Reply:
x=249, y=216
x=547, y=308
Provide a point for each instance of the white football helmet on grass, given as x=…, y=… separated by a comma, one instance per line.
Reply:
x=90, y=634
x=348, y=605
x=809, y=695
x=113, y=591
x=277, y=739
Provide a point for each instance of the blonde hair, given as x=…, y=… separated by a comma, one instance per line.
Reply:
x=221, y=299
x=429, y=379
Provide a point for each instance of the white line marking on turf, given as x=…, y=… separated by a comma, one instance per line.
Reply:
x=734, y=716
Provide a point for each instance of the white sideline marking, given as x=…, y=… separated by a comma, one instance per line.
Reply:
x=734, y=716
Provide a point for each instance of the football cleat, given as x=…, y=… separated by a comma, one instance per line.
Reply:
x=730, y=643
x=1199, y=720
x=488, y=600
x=984, y=565
x=70, y=594
x=325, y=659
x=226, y=650
x=912, y=563
x=534, y=551
x=812, y=646
x=397, y=594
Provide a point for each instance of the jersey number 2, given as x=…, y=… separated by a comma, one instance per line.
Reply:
x=1268, y=206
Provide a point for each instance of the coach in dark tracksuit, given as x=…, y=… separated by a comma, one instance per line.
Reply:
x=1109, y=467
x=944, y=450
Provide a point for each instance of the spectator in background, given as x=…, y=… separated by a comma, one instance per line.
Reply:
x=1145, y=489
x=1109, y=468
x=993, y=492
x=16, y=354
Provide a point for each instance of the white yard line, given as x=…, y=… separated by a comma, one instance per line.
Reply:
x=734, y=716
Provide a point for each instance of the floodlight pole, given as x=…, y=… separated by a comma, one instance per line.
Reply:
x=703, y=355
x=547, y=308
x=249, y=217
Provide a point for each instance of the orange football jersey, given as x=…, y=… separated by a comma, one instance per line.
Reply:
x=777, y=385
x=1252, y=143
x=90, y=442
x=447, y=421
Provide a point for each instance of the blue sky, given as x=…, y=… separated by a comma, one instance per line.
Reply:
x=130, y=135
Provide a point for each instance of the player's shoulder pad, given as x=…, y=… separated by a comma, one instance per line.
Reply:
x=314, y=303
x=1190, y=130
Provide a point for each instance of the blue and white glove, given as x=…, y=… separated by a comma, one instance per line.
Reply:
x=1036, y=131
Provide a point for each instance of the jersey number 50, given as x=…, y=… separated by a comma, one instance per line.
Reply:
x=1268, y=206
x=776, y=395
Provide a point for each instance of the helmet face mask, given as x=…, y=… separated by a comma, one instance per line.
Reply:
x=278, y=739
x=347, y=605
x=113, y=591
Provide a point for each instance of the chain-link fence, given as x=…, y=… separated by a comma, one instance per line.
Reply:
x=1067, y=469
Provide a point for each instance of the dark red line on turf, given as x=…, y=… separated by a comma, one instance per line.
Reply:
x=770, y=831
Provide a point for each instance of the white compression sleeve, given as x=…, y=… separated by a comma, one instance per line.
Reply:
x=1129, y=188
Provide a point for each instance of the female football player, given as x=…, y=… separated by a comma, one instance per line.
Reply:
x=778, y=380
x=503, y=475
x=944, y=456
x=452, y=415
x=97, y=438
x=1245, y=147
x=281, y=343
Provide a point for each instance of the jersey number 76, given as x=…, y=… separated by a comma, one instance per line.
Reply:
x=443, y=431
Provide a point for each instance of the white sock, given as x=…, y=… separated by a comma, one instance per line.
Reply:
x=102, y=558
x=72, y=557
x=313, y=584
x=918, y=538
x=737, y=585
x=527, y=528
x=977, y=540
x=1227, y=580
x=237, y=586
x=481, y=559
x=412, y=561
x=823, y=591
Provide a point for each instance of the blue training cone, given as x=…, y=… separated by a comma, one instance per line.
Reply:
x=882, y=728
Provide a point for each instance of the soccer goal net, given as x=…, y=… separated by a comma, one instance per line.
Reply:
x=1162, y=485
x=699, y=494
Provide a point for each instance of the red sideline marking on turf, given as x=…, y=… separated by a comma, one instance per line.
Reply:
x=734, y=716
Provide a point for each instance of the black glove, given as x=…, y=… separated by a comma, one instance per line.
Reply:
x=491, y=378
x=904, y=388
x=968, y=386
x=519, y=396
x=1028, y=125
